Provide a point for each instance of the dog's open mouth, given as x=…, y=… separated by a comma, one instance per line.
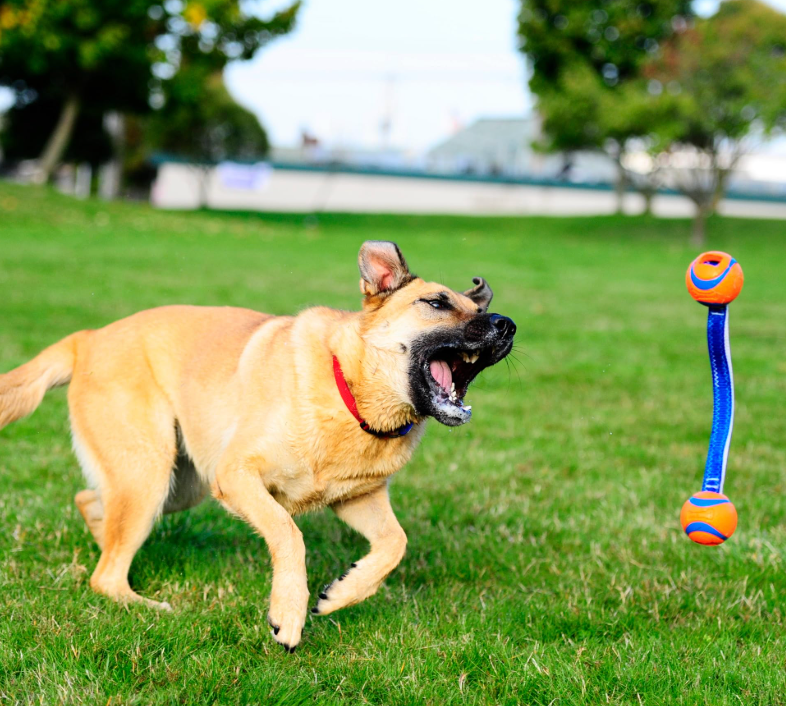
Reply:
x=444, y=362
x=449, y=372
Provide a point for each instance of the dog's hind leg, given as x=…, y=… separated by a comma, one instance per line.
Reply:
x=127, y=450
x=89, y=504
x=373, y=517
x=186, y=492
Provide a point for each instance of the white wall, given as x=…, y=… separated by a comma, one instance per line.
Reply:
x=178, y=187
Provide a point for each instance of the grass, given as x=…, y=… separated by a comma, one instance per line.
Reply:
x=546, y=564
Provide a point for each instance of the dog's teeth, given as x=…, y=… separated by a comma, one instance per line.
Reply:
x=474, y=358
x=465, y=357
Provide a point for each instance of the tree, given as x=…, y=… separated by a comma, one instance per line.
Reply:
x=199, y=122
x=108, y=52
x=587, y=60
x=67, y=52
x=205, y=125
x=28, y=124
x=722, y=86
x=581, y=113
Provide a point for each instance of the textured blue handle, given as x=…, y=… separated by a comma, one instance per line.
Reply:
x=723, y=397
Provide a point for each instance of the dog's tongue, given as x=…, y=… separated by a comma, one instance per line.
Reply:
x=440, y=371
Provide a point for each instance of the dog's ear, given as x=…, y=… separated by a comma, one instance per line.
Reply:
x=383, y=268
x=481, y=293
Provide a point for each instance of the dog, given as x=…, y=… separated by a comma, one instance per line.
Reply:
x=271, y=415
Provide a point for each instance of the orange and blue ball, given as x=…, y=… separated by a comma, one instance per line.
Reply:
x=714, y=278
x=709, y=518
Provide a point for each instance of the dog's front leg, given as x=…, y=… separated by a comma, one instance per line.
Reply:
x=372, y=516
x=239, y=487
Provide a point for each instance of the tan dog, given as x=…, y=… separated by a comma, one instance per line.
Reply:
x=171, y=403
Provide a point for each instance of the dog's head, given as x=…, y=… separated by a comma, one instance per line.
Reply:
x=435, y=340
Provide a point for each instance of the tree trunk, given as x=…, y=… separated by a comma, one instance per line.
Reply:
x=620, y=186
x=202, y=172
x=698, y=237
x=111, y=173
x=58, y=141
x=648, y=194
x=708, y=203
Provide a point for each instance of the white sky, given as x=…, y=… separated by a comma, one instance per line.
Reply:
x=430, y=63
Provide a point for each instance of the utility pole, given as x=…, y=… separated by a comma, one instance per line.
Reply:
x=388, y=110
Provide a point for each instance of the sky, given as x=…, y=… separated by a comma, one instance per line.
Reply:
x=351, y=66
x=429, y=66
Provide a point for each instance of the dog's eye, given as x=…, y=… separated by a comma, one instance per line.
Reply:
x=436, y=303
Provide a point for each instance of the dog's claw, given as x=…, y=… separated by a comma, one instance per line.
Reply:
x=285, y=633
x=323, y=596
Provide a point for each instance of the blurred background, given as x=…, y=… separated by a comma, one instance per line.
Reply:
x=523, y=106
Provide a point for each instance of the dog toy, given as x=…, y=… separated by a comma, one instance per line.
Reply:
x=715, y=279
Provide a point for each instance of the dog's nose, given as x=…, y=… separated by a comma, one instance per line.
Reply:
x=504, y=326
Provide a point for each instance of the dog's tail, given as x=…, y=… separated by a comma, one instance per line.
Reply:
x=22, y=390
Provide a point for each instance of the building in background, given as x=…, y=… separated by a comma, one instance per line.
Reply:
x=504, y=147
x=489, y=147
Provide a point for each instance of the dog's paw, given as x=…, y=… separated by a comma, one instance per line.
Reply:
x=348, y=589
x=286, y=631
x=287, y=616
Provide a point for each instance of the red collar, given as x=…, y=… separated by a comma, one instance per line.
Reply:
x=349, y=401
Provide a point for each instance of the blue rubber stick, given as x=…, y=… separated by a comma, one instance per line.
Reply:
x=723, y=397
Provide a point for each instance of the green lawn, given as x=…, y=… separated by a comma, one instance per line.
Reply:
x=546, y=564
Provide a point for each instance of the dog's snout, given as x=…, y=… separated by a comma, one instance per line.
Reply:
x=489, y=328
x=503, y=325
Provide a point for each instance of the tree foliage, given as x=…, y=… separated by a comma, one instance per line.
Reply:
x=119, y=54
x=614, y=38
x=579, y=112
x=66, y=47
x=199, y=122
x=721, y=85
x=691, y=90
x=587, y=61
x=725, y=77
